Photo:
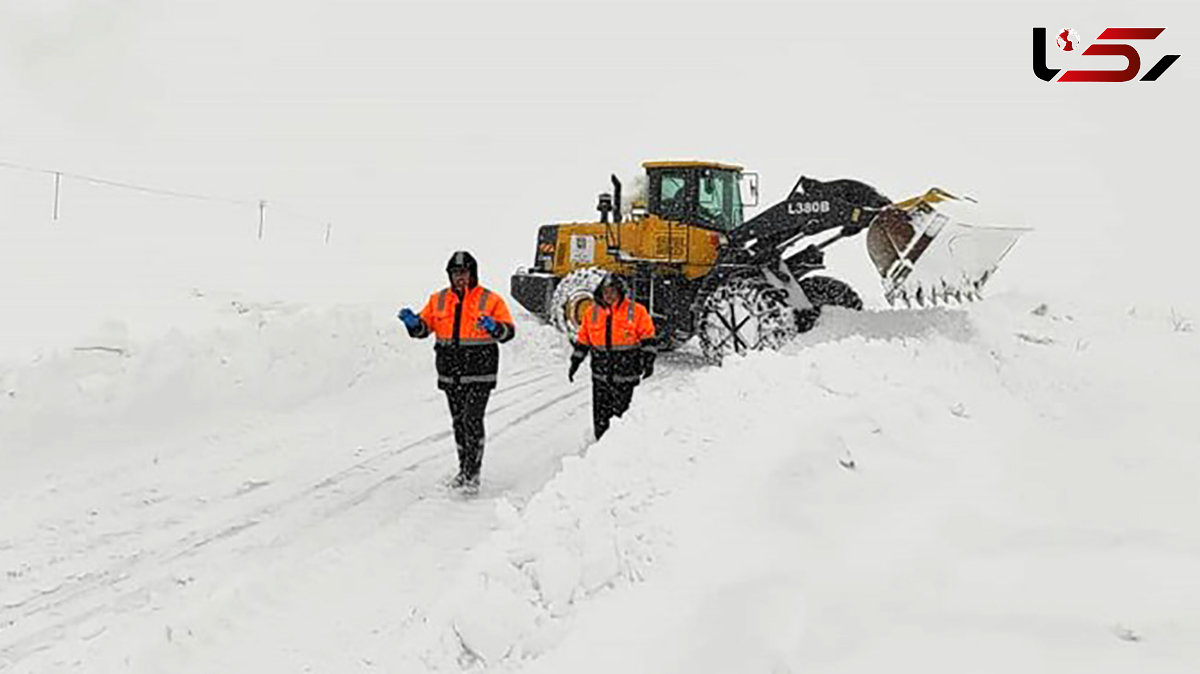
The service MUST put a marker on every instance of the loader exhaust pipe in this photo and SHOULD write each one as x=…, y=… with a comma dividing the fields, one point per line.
x=616, y=198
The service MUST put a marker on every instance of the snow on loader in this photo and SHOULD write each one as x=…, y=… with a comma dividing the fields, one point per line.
x=956, y=257
x=736, y=285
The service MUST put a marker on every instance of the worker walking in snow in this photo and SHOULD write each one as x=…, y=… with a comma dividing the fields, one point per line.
x=469, y=321
x=619, y=334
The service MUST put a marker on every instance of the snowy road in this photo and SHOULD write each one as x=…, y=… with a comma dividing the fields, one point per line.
x=977, y=490
x=190, y=523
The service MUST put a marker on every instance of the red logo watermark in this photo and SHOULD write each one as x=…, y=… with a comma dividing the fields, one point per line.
x=1068, y=40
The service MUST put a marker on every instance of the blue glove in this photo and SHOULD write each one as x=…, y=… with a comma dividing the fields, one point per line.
x=410, y=319
x=488, y=323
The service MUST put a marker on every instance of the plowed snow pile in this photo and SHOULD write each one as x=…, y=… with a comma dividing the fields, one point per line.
x=1011, y=489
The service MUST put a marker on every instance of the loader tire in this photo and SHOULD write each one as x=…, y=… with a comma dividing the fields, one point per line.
x=742, y=315
x=824, y=291
x=572, y=295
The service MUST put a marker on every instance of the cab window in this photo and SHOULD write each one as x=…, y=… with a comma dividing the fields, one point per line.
x=672, y=195
x=720, y=200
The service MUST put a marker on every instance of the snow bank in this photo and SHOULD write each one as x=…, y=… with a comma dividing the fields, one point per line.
x=962, y=492
x=259, y=358
x=119, y=384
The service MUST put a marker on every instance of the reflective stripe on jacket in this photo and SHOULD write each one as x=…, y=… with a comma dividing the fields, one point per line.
x=620, y=340
x=465, y=353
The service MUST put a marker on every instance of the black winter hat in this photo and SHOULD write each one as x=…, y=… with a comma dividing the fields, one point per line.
x=461, y=259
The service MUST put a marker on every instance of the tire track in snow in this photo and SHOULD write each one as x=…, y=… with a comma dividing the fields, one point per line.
x=75, y=600
x=525, y=416
x=243, y=427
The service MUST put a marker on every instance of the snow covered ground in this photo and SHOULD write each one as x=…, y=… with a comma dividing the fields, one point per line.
x=1007, y=487
x=220, y=453
x=211, y=479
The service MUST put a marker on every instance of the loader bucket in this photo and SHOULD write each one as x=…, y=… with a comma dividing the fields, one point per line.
x=928, y=249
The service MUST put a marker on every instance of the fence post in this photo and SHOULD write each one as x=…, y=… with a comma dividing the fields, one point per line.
x=262, y=216
x=57, y=186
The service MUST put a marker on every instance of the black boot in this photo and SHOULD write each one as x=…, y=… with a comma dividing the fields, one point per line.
x=472, y=467
x=464, y=464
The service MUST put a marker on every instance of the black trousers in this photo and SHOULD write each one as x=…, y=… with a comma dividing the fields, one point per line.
x=467, y=406
x=609, y=399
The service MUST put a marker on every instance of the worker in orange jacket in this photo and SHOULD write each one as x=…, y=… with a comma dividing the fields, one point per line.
x=618, y=333
x=469, y=321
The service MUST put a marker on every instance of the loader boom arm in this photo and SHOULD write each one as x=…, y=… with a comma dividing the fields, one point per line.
x=812, y=207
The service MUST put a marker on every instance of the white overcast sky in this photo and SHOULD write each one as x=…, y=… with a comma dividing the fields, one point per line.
x=420, y=127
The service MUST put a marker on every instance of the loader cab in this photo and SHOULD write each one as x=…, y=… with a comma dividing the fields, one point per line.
x=704, y=194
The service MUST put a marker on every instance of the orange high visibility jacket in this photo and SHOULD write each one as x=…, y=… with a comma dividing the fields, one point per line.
x=465, y=353
x=620, y=340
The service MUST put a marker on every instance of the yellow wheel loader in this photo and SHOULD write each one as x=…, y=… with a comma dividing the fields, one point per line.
x=740, y=285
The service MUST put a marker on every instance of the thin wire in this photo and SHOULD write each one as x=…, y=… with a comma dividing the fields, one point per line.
x=129, y=186
x=159, y=191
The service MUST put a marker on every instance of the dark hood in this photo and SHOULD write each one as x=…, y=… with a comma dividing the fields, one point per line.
x=613, y=280
x=462, y=258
